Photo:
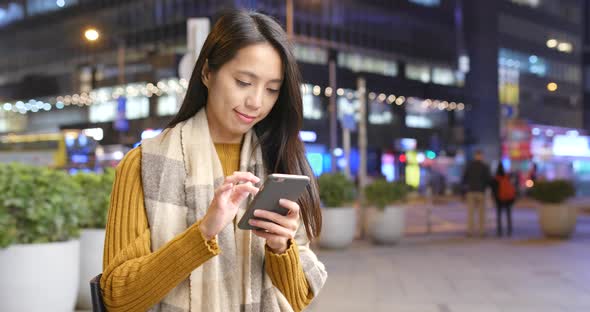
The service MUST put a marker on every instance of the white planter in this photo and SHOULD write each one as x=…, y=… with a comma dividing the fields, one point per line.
x=91, y=252
x=557, y=220
x=338, y=227
x=39, y=277
x=387, y=226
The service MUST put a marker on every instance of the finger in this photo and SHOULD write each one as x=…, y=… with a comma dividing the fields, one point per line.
x=242, y=191
x=240, y=176
x=272, y=228
x=265, y=235
x=291, y=205
x=274, y=217
x=246, y=189
x=223, y=188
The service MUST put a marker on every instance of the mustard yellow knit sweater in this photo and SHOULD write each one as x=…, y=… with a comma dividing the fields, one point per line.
x=135, y=278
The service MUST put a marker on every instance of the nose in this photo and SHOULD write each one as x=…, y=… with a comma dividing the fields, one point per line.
x=254, y=101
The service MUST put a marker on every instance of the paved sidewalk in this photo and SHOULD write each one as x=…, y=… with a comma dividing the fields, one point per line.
x=447, y=272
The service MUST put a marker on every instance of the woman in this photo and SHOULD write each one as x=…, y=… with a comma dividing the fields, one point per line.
x=172, y=243
x=504, y=195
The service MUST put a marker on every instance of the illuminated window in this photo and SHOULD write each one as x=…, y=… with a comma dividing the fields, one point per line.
x=380, y=113
x=419, y=115
x=137, y=107
x=362, y=63
x=418, y=72
x=103, y=112
x=168, y=105
x=312, y=55
x=10, y=12
x=530, y=3
x=532, y=64
x=312, y=104
x=35, y=7
x=443, y=76
x=428, y=3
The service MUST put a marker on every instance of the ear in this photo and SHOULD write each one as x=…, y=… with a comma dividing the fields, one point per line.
x=206, y=74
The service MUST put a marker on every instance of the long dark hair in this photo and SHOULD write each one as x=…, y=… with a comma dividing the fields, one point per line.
x=278, y=133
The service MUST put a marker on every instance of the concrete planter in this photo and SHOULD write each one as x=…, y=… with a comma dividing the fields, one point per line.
x=387, y=226
x=39, y=277
x=91, y=253
x=557, y=220
x=338, y=227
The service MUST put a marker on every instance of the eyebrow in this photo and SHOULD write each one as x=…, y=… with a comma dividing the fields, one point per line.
x=253, y=75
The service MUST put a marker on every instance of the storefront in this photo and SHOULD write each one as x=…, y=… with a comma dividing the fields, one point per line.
x=545, y=152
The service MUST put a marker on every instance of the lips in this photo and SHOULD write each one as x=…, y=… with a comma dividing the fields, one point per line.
x=244, y=117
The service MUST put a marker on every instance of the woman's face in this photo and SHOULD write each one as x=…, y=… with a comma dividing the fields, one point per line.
x=242, y=92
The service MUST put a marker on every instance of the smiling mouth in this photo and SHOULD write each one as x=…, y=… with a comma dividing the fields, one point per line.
x=247, y=116
x=244, y=117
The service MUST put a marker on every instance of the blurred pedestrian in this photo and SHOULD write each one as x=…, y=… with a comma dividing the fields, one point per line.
x=476, y=179
x=504, y=193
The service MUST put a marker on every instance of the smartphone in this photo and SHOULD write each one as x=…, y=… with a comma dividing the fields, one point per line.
x=276, y=186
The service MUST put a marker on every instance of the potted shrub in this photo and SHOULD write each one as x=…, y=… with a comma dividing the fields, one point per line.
x=556, y=217
x=337, y=194
x=387, y=220
x=98, y=188
x=39, y=255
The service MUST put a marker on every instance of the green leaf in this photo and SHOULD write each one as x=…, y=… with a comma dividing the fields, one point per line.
x=336, y=190
x=553, y=192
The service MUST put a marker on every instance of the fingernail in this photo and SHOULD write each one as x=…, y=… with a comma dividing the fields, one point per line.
x=256, y=212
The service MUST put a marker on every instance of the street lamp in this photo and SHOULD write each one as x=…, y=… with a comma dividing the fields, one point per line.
x=91, y=34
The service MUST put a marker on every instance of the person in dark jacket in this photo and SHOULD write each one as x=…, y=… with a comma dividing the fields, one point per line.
x=476, y=179
x=504, y=193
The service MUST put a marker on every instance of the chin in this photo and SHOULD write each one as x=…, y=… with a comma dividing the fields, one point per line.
x=241, y=130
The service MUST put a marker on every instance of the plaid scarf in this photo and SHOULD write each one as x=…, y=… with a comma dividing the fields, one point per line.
x=180, y=171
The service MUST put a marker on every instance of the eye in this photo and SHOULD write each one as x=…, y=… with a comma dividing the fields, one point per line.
x=274, y=91
x=242, y=83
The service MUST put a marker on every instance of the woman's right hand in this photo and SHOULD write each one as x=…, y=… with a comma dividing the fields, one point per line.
x=227, y=200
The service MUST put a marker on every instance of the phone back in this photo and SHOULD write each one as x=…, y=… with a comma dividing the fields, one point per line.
x=275, y=187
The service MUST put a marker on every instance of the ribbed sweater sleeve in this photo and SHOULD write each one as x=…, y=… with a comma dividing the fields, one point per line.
x=135, y=278
x=287, y=275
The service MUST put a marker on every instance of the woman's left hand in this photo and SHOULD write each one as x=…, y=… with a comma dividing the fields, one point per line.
x=278, y=230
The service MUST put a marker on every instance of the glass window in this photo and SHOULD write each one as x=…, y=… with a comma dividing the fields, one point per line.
x=541, y=67
x=137, y=107
x=539, y=33
x=422, y=113
x=508, y=86
x=35, y=7
x=531, y=3
x=312, y=104
x=10, y=12
x=379, y=113
x=168, y=105
x=570, y=10
x=428, y=3
x=12, y=122
x=418, y=72
x=312, y=55
x=103, y=112
x=362, y=63
x=348, y=108
x=443, y=76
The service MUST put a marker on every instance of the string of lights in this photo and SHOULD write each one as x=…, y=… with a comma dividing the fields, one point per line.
x=175, y=85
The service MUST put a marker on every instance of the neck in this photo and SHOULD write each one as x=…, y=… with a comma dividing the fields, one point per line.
x=220, y=135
